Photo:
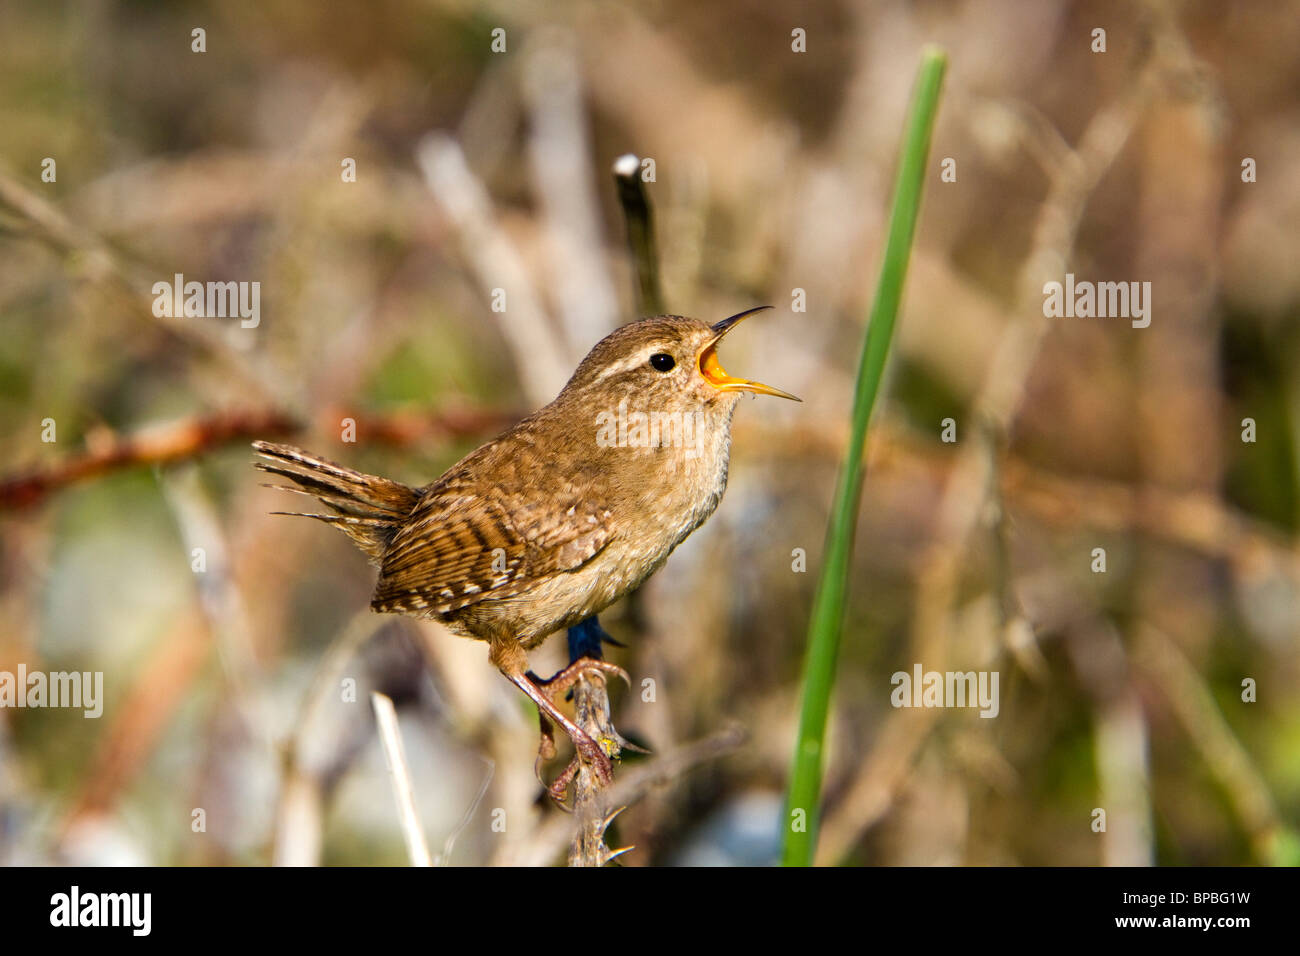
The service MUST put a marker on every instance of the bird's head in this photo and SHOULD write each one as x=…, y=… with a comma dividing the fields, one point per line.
x=667, y=363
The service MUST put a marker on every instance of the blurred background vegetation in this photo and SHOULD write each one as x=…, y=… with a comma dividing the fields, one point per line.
x=1120, y=690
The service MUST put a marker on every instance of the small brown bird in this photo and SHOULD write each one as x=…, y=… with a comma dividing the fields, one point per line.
x=550, y=523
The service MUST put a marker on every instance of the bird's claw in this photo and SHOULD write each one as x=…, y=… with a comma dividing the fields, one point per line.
x=590, y=752
x=593, y=756
x=546, y=746
x=565, y=679
x=559, y=789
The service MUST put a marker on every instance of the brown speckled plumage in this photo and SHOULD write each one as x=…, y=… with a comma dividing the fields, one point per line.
x=549, y=523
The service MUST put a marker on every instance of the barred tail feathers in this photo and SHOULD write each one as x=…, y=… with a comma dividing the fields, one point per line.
x=368, y=509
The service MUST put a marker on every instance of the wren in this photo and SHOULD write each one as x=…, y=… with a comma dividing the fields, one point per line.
x=548, y=524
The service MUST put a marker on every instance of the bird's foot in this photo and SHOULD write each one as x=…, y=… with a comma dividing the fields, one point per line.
x=559, y=789
x=591, y=752
x=552, y=687
x=611, y=743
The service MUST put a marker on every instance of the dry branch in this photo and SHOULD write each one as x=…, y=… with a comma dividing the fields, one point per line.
x=192, y=437
x=1190, y=699
x=390, y=736
x=640, y=233
x=591, y=707
x=633, y=785
x=161, y=445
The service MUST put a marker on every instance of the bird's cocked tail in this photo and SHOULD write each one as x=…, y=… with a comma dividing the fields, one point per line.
x=369, y=509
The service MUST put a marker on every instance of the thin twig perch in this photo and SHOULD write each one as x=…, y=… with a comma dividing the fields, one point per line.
x=631, y=787
x=590, y=693
x=591, y=706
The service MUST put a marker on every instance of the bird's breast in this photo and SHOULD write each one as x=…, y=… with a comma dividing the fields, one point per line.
x=670, y=491
x=655, y=495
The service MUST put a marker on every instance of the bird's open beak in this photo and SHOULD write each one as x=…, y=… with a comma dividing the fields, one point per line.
x=717, y=376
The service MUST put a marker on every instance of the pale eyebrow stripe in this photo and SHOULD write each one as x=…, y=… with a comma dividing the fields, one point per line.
x=630, y=363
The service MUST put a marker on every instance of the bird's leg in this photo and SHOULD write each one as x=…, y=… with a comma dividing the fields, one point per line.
x=588, y=750
x=585, y=640
x=509, y=658
x=546, y=747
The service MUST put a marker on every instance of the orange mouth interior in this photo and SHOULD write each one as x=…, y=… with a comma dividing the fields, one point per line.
x=717, y=376
x=712, y=369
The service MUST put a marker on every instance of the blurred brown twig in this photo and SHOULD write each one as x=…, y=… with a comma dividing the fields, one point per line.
x=160, y=445
x=194, y=437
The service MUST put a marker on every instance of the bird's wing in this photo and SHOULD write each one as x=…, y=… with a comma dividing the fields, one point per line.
x=460, y=547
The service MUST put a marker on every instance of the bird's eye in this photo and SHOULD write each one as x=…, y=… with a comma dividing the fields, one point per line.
x=662, y=362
